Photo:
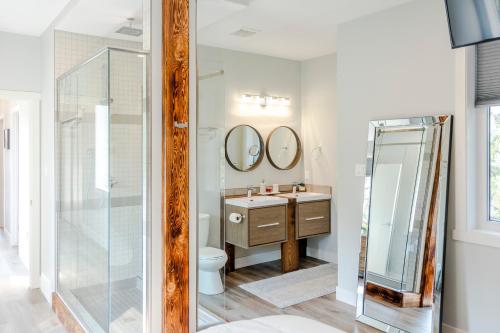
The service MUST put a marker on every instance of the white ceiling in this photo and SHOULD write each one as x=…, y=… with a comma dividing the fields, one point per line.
x=292, y=29
x=29, y=17
x=102, y=17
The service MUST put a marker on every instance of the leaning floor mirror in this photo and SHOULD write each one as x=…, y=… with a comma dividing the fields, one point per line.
x=404, y=224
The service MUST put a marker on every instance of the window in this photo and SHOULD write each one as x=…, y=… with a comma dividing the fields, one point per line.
x=494, y=163
x=487, y=134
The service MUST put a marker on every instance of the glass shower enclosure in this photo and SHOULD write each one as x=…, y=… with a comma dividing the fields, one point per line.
x=102, y=189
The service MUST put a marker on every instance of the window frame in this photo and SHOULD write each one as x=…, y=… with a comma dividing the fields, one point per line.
x=470, y=172
x=494, y=221
x=483, y=177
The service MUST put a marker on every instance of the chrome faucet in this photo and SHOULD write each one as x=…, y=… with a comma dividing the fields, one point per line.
x=295, y=185
x=250, y=189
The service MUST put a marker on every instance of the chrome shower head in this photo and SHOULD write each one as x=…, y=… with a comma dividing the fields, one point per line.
x=130, y=30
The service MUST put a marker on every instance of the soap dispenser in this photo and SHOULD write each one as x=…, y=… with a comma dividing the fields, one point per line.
x=262, y=188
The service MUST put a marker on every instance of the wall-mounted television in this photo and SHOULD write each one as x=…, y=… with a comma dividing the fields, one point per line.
x=473, y=21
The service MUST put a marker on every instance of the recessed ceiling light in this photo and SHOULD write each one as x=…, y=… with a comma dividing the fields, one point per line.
x=245, y=32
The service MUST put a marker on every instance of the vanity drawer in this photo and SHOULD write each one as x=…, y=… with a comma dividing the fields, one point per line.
x=313, y=218
x=267, y=225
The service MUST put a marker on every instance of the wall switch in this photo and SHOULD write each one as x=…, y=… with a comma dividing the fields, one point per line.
x=360, y=170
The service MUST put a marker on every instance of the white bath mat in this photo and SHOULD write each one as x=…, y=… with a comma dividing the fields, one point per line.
x=295, y=287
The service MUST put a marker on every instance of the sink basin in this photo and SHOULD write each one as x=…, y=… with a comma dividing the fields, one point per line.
x=256, y=201
x=306, y=196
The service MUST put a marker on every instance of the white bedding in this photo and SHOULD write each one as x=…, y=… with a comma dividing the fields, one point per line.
x=274, y=324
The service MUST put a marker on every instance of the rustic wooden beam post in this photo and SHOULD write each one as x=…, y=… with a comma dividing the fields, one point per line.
x=175, y=165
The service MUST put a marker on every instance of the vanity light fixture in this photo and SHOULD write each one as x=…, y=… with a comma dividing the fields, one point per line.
x=253, y=99
x=265, y=100
x=273, y=100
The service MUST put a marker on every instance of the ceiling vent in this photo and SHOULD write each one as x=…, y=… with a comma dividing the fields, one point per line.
x=245, y=32
x=240, y=2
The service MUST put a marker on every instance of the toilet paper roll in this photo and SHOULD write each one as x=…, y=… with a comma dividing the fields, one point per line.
x=235, y=217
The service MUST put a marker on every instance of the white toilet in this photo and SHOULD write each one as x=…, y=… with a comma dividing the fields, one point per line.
x=210, y=260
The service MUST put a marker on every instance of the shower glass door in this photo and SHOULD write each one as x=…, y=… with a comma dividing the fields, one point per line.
x=102, y=177
x=83, y=219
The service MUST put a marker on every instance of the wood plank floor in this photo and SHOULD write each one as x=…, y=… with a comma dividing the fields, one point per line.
x=237, y=304
x=21, y=310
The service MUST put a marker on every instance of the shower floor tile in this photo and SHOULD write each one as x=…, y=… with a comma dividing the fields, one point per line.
x=126, y=306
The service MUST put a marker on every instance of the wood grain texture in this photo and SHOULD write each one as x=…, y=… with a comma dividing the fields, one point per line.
x=312, y=218
x=267, y=225
x=429, y=263
x=175, y=166
x=237, y=233
x=69, y=322
x=237, y=304
x=290, y=254
x=231, y=258
x=391, y=296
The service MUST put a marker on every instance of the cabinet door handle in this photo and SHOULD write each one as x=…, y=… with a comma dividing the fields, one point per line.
x=268, y=225
x=315, y=218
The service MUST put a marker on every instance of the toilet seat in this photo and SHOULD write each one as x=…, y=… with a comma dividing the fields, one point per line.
x=211, y=253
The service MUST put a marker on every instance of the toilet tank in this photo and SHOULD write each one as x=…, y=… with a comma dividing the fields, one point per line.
x=203, y=229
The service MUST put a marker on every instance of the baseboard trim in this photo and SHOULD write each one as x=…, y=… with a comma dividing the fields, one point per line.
x=322, y=254
x=46, y=288
x=450, y=329
x=255, y=259
x=346, y=296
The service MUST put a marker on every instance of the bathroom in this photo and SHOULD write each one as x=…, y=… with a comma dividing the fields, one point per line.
x=270, y=104
x=266, y=191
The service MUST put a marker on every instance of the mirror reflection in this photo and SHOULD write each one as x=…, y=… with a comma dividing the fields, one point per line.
x=244, y=148
x=283, y=148
x=403, y=230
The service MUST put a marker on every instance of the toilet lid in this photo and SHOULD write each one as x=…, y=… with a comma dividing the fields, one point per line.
x=207, y=253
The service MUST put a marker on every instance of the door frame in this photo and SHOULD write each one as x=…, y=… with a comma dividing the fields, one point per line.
x=35, y=169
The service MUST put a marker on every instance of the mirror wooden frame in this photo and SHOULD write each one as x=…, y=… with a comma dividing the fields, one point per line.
x=261, y=152
x=298, y=153
x=438, y=210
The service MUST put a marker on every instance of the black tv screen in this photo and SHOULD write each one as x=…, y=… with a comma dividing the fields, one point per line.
x=473, y=21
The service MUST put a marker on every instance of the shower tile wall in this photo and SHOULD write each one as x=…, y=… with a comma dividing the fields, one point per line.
x=125, y=226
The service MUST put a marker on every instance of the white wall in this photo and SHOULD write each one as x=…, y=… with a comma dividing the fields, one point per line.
x=10, y=176
x=318, y=100
x=2, y=216
x=47, y=233
x=396, y=63
x=20, y=64
x=246, y=73
x=24, y=149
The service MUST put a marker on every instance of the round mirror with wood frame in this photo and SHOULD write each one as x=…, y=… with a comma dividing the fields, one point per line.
x=244, y=148
x=283, y=148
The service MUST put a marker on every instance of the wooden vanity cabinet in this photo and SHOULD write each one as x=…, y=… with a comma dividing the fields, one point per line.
x=259, y=226
x=312, y=218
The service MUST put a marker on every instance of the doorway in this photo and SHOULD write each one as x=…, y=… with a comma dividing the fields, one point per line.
x=20, y=179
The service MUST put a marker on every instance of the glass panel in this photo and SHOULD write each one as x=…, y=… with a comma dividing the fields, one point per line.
x=211, y=159
x=396, y=165
x=83, y=215
x=102, y=178
x=126, y=121
x=494, y=164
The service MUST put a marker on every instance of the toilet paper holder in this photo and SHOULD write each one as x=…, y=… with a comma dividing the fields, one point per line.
x=236, y=217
